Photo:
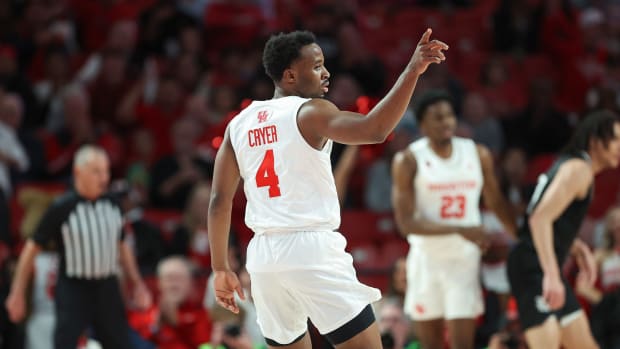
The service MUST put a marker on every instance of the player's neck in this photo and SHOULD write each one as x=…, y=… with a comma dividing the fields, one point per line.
x=279, y=92
x=596, y=162
x=442, y=149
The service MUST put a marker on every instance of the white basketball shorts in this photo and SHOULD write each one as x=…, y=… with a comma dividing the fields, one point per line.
x=301, y=275
x=443, y=279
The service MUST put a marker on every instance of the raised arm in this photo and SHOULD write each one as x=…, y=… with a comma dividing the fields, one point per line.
x=572, y=181
x=404, y=168
x=492, y=195
x=319, y=119
x=226, y=178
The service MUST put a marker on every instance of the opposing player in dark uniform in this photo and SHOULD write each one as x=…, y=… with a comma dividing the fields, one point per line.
x=549, y=311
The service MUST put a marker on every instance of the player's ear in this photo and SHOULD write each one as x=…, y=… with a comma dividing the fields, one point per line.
x=289, y=76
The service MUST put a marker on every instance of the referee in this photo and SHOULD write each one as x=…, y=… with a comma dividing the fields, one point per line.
x=87, y=226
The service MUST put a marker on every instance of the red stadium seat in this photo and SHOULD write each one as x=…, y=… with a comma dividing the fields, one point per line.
x=166, y=220
x=366, y=256
x=392, y=250
x=366, y=226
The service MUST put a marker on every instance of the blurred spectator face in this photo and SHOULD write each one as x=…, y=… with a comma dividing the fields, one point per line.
x=223, y=99
x=184, y=136
x=344, y=92
x=11, y=110
x=439, y=122
x=169, y=93
x=475, y=109
x=196, y=109
x=8, y=60
x=392, y=319
x=143, y=144
x=175, y=280
x=494, y=73
x=191, y=40
x=541, y=93
x=122, y=36
x=76, y=106
x=261, y=90
x=113, y=67
x=352, y=47
x=612, y=225
x=515, y=165
x=592, y=23
x=199, y=203
x=188, y=71
x=56, y=66
x=323, y=19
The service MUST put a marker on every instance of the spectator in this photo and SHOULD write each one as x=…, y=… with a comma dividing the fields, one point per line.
x=190, y=238
x=516, y=26
x=378, y=179
x=513, y=170
x=394, y=326
x=605, y=299
x=12, y=156
x=74, y=130
x=177, y=321
x=398, y=280
x=501, y=89
x=48, y=90
x=144, y=237
x=108, y=89
x=157, y=117
x=13, y=81
x=486, y=129
x=355, y=59
x=529, y=128
x=174, y=175
x=139, y=161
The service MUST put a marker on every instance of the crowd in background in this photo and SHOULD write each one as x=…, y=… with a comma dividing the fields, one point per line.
x=155, y=82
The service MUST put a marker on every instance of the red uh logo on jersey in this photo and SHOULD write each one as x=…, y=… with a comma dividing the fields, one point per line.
x=263, y=115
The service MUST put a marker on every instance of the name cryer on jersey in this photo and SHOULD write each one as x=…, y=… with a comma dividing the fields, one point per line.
x=263, y=135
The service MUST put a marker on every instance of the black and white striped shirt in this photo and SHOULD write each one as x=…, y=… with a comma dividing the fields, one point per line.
x=86, y=232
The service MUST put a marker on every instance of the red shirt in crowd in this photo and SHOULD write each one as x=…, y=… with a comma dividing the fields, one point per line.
x=193, y=327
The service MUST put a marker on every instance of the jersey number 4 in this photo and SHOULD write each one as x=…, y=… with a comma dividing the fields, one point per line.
x=266, y=175
x=453, y=206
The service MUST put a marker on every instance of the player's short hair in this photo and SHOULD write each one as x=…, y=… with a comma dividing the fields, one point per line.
x=429, y=98
x=596, y=125
x=282, y=49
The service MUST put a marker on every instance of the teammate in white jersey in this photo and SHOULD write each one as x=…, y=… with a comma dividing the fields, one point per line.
x=438, y=181
x=280, y=147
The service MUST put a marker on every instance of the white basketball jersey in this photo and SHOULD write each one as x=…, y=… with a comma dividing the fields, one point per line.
x=447, y=190
x=288, y=184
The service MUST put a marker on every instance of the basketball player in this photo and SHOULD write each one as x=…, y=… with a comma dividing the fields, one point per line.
x=549, y=312
x=438, y=181
x=280, y=147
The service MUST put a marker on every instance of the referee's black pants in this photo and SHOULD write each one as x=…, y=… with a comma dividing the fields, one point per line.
x=83, y=303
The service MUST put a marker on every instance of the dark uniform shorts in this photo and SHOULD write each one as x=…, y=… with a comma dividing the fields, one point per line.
x=526, y=276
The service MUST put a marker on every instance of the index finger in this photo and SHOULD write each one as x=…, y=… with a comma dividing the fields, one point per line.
x=426, y=36
x=440, y=43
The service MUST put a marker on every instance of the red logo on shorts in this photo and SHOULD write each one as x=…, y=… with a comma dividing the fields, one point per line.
x=419, y=308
